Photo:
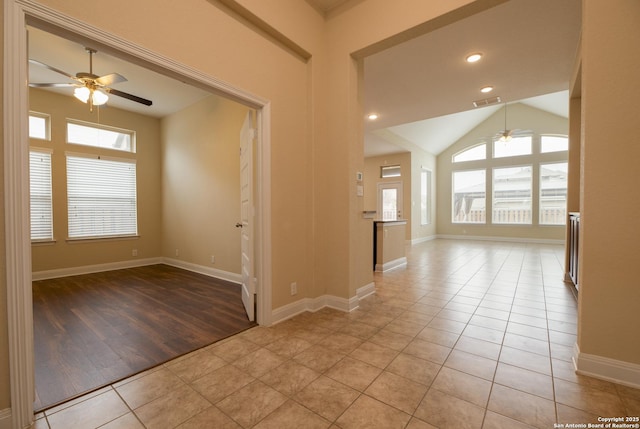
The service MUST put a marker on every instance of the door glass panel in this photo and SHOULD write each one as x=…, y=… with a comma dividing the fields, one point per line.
x=389, y=204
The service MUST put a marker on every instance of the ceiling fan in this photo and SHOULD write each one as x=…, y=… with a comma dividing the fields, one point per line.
x=90, y=88
x=506, y=135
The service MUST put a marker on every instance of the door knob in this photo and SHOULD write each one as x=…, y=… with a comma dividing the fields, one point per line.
x=239, y=225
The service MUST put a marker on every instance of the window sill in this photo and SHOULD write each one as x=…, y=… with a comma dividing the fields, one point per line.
x=101, y=239
x=43, y=242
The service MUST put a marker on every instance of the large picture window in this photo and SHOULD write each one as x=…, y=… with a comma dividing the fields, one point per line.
x=100, y=136
x=469, y=196
x=425, y=197
x=101, y=197
x=553, y=193
x=512, y=195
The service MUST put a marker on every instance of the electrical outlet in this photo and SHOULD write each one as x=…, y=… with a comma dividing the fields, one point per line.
x=177, y=252
x=213, y=259
x=294, y=288
x=134, y=252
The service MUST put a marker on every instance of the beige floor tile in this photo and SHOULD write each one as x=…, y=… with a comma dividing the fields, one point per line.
x=373, y=319
x=438, y=336
x=128, y=421
x=367, y=413
x=446, y=411
x=252, y=403
x=196, y=365
x=484, y=334
x=41, y=423
x=523, y=407
x=477, y=347
x=562, y=338
x=288, y=346
x=222, y=382
x=397, y=391
x=488, y=322
x=566, y=371
x=319, y=358
x=527, y=381
x=498, y=421
x=588, y=398
x=359, y=330
x=429, y=351
x=526, y=343
x=472, y=364
x=425, y=309
x=526, y=360
x=447, y=325
x=415, y=317
x=457, y=316
x=464, y=386
x=212, y=417
x=340, y=343
x=405, y=327
x=374, y=354
x=569, y=414
x=312, y=334
x=353, y=373
x=414, y=368
x=87, y=396
x=259, y=362
x=415, y=423
x=91, y=413
x=391, y=339
x=172, y=409
x=292, y=415
x=327, y=397
x=290, y=377
x=261, y=335
x=147, y=388
x=234, y=349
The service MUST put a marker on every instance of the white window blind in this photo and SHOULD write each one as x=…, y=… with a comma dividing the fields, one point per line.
x=101, y=197
x=41, y=200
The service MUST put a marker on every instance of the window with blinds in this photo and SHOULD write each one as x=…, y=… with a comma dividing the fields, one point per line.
x=101, y=197
x=41, y=196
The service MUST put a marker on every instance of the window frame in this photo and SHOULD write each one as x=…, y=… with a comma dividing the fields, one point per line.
x=453, y=200
x=47, y=121
x=100, y=127
x=426, y=177
x=493, y=194
x=540, y=197
x=467, y=149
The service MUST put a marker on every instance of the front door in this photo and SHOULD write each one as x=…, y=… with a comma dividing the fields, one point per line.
x=390, y=200
x=247, y=136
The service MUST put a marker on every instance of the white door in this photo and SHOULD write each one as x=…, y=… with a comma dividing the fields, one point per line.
x=390, y=200
x=247, y=135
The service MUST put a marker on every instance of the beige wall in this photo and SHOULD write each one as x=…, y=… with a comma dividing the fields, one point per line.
x=201, y=183
x=64, y=254
x=5, y=396
x=520, y=117
x=609, y=292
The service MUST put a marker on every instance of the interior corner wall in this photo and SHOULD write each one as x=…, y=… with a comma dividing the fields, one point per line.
x=520, y=117
x=609, y=292
x=5, y=393
x=65, y=254
x=201, y=184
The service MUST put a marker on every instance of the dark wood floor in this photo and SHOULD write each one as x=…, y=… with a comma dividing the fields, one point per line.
x=92, y=330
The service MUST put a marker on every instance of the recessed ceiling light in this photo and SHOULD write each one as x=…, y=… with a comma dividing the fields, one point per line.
x=472, y=58
x=372, y=116
x=486, y=89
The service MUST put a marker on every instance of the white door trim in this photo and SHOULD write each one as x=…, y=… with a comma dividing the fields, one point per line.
x=17, y=13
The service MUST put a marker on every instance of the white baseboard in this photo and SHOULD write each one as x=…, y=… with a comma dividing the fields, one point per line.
x=615, y=371
x=391, y=264
x=314, y=304
x=201, y=269
x=89, y=269
x=505, y=239
x=5, y=418
x=415, y=241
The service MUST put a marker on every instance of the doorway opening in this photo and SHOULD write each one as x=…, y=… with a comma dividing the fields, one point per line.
x=18, y=243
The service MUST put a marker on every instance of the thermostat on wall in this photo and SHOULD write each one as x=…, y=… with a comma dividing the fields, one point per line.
x=359, y=176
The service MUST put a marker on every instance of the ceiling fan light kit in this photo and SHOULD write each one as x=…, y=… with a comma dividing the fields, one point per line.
x=89, y=88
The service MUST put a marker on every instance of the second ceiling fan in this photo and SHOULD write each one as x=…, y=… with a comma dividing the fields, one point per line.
x=90, y=88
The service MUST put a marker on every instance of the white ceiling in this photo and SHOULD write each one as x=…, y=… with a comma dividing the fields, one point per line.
x=421, y=89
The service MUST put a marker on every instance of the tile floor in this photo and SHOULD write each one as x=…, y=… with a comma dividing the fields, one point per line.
x=468, y=335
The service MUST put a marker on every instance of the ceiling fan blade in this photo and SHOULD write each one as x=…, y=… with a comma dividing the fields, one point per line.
x=110, y=79
x=51, y=85
x=129, y=96
x=47, y=66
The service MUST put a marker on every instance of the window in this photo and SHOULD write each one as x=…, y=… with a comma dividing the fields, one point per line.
x=512, y=195
x=101, y=197
x=469, y=196
x=39, y=126
x=390, y=171
x=516, y=147
x=553, y=193
x=100, y=136
x=41, y=197
x=472, y=154
x=425, y=193
x=553, y=144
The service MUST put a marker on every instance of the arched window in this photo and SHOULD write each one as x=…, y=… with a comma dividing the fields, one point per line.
x=472, y=153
